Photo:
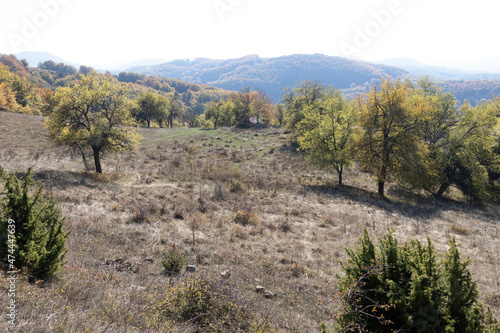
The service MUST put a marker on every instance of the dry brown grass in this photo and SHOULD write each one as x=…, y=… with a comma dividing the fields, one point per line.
x=146, y=201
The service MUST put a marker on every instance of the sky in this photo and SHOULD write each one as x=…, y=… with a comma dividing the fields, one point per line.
x=440, y=32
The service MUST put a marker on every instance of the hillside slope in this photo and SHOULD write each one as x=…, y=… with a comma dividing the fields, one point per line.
x=148, y=201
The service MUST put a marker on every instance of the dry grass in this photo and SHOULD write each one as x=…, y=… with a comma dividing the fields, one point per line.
x=149, y=200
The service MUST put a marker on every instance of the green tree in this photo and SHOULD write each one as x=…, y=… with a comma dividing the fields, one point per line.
x=469, y=147
x=93, y=116
x=460, y=295
x=175, y=109
x=279, y=114
x=391, y=123
x=148, y=107
x=214, y=112
x=405, y=288
x=460, y=145
x=307, y=95
x=163, y=105
x=38, y=239
x=326, y=132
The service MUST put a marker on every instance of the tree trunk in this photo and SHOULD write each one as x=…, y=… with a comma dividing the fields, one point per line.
x=340, y=175
x=381, y=184
x=442, y=189
x=381, y=181
x=97, y=160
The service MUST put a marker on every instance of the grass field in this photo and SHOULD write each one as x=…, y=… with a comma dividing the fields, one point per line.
x=123, y=222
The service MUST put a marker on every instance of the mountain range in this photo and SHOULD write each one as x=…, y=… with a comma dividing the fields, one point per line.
x=274, y=75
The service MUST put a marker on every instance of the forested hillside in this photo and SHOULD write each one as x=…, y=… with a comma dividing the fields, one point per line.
x=273, y=74
x=27, y=89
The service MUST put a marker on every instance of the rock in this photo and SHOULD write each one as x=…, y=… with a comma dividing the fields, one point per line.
x=259, y=289
x=149, y=259
x=268, y=294
x=190, y=268
x=133, y=287
x=226, y=274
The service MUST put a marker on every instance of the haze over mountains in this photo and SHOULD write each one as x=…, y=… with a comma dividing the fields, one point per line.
x=439, y=72
x=274, y=75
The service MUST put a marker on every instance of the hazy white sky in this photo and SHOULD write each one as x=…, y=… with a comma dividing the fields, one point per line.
x=108, y=31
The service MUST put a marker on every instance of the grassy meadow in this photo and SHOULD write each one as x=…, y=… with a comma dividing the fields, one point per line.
x=185, y=186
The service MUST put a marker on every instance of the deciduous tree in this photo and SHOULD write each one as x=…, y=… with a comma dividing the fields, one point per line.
x=93, y=116
x=326, y=132
x=148, y=107
x=391, y=124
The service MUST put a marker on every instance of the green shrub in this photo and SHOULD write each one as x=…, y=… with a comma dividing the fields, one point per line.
x=404, y=287
x=39, y=247
x=173, y=261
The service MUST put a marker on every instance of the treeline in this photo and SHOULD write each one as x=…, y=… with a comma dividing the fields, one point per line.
x=412, y=133
x=30, y=90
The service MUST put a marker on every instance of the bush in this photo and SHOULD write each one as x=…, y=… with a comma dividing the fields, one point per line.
x=246, y=217
x=39, y=246
x=211, y=306
x=236, y=185
x=173, y=261
x=406, y=288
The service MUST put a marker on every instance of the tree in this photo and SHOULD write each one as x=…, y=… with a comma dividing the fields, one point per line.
x=261, y=108
x=175, y=109
x=7, y=98
x=36, y=224
x=469, y=144
x=279, y=114
x=242, y=100
x=326, y=132
x=406, y=288
x=460, y=294
x=148, y=107
x=304, y=96
x=390, y=121
x=85, y=69
x=164, y=107
x=92, y=116
x=214, y=112
x=460, y=145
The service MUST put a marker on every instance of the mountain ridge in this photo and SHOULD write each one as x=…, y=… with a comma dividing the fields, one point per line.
x=272, y=75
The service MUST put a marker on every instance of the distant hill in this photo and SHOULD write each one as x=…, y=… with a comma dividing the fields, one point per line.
x=121, y=66
x=272, y=75
x=474, y=91
x=34, y=58
x=438, y=72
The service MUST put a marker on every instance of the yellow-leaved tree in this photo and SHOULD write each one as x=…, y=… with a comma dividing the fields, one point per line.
x=391, y=119
x=93, y=117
